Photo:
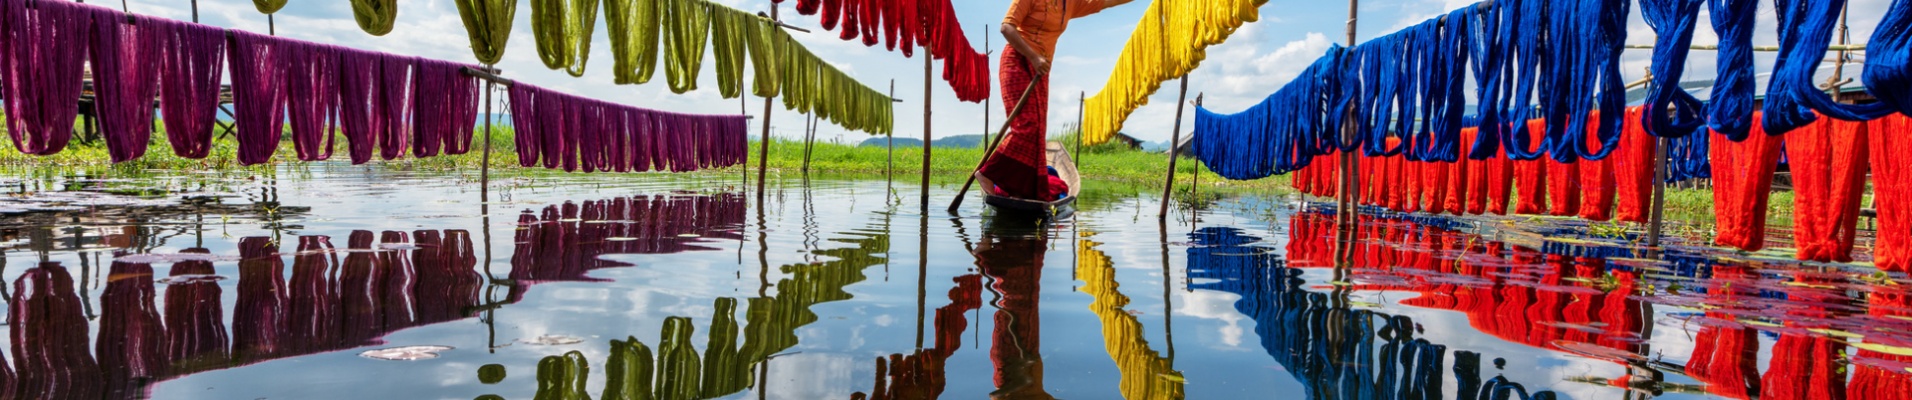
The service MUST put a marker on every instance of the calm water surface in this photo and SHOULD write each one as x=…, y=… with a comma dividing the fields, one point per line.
x=648, y=286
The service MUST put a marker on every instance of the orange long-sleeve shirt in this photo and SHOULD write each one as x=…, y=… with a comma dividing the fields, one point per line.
x=1041, y=22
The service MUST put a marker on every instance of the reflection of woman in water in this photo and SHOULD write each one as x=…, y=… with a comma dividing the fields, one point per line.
x=1016, y=265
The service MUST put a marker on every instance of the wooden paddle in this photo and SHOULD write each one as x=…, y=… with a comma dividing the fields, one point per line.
x=990, y=149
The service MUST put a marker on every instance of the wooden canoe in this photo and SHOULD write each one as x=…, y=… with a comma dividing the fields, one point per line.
x=1065, y=168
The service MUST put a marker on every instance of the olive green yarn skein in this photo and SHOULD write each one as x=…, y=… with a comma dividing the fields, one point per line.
x=488, y=24
x=375, y=16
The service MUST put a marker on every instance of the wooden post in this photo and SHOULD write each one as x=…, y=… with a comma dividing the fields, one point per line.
x=1174, y=141
x=928, y=74
x=1082, y=105
x=763, y=156
x=1195, y=185
x=986, y=53
x=1345, y=211
x=484, y=168
x=1656, y=220
x=195, y=11
x=809, y=140
x=272, y=28
x=889, y=171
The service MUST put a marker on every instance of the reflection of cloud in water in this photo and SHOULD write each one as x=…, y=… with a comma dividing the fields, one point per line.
x=1218, y=306
x=807, y=376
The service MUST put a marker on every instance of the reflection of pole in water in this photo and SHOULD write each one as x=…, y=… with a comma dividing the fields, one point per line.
x=922, y=274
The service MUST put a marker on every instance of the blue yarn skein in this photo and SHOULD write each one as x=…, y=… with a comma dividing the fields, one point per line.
x=1489, y=58
x=1730, y=108
x=1673, y=21
x=1805, y=32
x=1888, y=74
x=1524, y=35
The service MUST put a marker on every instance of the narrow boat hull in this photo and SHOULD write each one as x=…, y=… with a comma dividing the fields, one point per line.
x=1065, y=168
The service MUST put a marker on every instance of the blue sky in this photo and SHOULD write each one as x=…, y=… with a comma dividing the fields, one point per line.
x=1258, y=59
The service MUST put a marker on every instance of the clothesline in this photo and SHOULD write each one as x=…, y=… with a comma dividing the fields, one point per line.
x=492, y=76
x=1763, y=49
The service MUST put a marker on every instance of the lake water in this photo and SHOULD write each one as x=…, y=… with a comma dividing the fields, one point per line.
x=333, y=282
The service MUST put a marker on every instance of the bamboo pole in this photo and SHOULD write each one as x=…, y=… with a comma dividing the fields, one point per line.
x=987, y=51
x=484, y=168
x=1345, y=212
x=1656, y=220
x=928, y=84
x=1174, y=146
x=1082, y=105
x=889, y=170
x=1762, y=49
x=763, y=156
x=1194, y=185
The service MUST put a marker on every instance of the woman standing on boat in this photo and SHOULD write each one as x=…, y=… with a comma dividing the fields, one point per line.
x=1032, y=29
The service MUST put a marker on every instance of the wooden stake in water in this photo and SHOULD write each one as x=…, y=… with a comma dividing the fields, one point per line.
x=928, y=73
x=1174, y=148
x=1345, y=211
x=889, y=170
x=484, y=166
x=763, y=156
x=1195, y=185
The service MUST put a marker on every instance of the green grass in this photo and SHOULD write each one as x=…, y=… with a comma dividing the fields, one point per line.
x=1112, y=171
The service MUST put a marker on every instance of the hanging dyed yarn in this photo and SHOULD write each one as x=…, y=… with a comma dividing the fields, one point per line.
x=1828, y=165
x=686, y=30
x=810, y=85
x=398, y=100
x=258, y=95
x=1673, y=22
x=729, y=37
x=488, y=23
x=1170, y=41
x=1278, y=135
x=446, y=105
x=125, y=81
x=43, y=45
x=362, y=112
x=1633, y=168
x=1805, y=31
x=268, y=6
x=562, y=131
x=1586, y=39
x=1889, y=138
x=1533, y=175
x=965, y=69
x=635, y=29
x=189, y=74
x=1742, y=188
x=563, y=29
x=683, y=29
x=312, y=97
x=1730, y=109
x=1687, y=158
x=375, y=16
x=1888, y=72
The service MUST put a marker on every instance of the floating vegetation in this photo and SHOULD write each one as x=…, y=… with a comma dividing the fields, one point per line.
x=190, y=279
x=172, y=258
x=552, y=340
x=407, y=353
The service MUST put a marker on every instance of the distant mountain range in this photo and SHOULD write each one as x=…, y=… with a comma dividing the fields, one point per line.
x=960, y=141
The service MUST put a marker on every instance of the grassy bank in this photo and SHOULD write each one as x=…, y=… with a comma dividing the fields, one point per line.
x=1111, y=169
x=1106, y=163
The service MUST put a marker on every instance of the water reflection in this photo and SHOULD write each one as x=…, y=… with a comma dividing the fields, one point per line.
x=384, y=282
x=1827, y=333
x=678, y=370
